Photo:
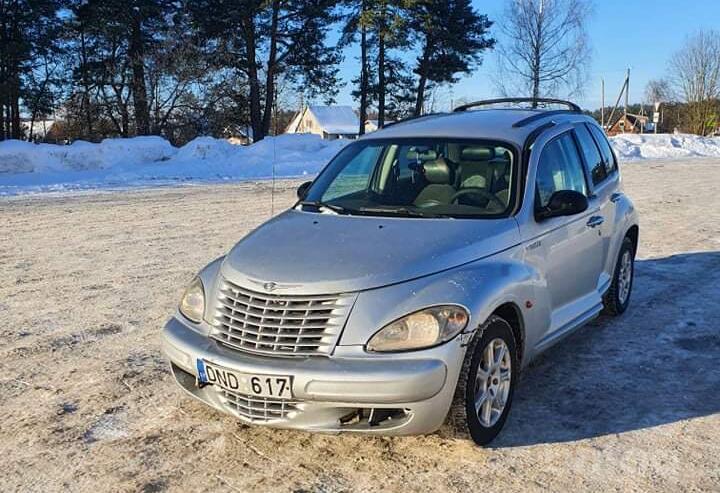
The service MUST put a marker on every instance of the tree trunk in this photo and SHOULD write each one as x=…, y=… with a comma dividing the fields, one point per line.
x=271, y=66
x=3, y=70
x=363, y=77
x=537, y=59
x=381, y=80
x=124, y=121
x=13, y=75
x=136, y=53
x=85, y=101
x=422, y=82
x=256, y=120
x=15, y=125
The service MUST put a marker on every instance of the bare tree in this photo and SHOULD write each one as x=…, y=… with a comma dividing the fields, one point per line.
x=546, y=49
x=695, y=73
x=658, y=91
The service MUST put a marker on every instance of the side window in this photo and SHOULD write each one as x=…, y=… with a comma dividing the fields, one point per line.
x=610, y=164
x=559, y=168
x=592, y=155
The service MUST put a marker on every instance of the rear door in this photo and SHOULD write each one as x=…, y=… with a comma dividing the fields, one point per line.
x=605, y=187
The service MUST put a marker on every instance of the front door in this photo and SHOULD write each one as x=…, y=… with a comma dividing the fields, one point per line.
x=566, y=250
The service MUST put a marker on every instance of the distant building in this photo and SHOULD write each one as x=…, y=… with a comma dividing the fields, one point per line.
x=329, y=122
x=238, y=134
x=630, y=124
x=38, y=129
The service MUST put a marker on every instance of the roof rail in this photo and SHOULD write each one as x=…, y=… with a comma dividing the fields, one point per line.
x=539, y=116
x=535, y=102
x=410, y=118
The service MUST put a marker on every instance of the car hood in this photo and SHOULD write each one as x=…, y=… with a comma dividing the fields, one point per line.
x=313, y=253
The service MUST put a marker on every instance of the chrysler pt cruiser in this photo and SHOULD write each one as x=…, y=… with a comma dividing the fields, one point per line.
x=425, y=266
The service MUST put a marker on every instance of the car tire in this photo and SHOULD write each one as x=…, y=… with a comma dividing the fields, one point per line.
x=617, y=298
x=477, y=379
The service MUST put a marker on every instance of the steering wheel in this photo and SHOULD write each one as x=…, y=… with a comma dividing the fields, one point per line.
x=477, y=191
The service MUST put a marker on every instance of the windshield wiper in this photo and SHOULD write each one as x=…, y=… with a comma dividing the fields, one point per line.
x=337, y=209
x=398, y=211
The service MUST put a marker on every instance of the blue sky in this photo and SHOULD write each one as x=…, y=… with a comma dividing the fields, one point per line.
x=640, y=34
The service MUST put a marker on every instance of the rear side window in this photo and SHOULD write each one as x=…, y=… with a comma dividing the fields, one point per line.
x=595, y=162
x=605, y=150
x=559, y=168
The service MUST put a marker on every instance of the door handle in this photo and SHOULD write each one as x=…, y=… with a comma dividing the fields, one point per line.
x=595, y=221
x=615, y=197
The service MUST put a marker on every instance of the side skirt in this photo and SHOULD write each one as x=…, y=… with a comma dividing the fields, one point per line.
x=567, y=329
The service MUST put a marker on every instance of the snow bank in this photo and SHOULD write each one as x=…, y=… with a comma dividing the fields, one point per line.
x=630, y=147
x=142, y=161
x=24, y=157
x=26, y=167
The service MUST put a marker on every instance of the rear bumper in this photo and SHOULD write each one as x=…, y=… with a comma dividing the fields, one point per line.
x=415, y=388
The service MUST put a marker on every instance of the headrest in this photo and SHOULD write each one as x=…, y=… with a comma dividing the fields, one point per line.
x=437, y=172
x=477, y=154
x=422, y=155
x=501, y=162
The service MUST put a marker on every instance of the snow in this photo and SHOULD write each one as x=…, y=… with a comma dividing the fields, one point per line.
x=632, y=147
x=144, y=161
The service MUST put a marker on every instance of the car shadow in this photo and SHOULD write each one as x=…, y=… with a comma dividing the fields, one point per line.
x=659, y=363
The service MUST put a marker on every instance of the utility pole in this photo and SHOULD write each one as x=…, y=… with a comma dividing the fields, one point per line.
x=602, y=103
x=627, y=91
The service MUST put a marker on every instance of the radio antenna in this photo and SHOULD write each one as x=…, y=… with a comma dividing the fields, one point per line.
x=272, y=189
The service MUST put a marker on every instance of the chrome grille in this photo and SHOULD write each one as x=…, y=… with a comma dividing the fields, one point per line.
x=262, y=409
x=283, y=325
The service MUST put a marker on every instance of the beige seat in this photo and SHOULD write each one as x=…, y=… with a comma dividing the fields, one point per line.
x=439, y=191
x=500, y=176
x=474, y=167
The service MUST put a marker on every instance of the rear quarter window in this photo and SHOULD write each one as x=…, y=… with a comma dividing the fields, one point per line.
x=605, y=150
x=594, y=160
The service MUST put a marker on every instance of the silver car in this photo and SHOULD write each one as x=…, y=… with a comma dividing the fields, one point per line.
x=416, y=276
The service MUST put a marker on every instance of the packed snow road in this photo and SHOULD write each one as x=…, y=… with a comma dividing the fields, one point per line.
x=88, y=404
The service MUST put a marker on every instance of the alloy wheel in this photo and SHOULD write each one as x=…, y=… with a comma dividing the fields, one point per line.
x=625, y=277
x=492, y=382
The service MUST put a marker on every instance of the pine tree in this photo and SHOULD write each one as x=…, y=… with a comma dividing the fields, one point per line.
x=378, y=26
x=130, y=27
x=451, y=37
x=266, y=40
x=28, y=35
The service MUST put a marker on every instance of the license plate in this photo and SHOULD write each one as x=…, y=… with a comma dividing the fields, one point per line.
x=244, y=383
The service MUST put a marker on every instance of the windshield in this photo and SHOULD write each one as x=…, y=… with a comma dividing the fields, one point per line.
x=417, y=178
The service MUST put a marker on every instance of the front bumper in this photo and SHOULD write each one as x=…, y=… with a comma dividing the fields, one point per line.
x=349, y=391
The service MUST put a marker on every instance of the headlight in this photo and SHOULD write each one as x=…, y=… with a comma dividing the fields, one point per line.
x=422, y=329
x=192, y=304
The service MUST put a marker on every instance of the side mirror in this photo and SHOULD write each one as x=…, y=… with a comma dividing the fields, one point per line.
x=303, y=190
x=563, y=203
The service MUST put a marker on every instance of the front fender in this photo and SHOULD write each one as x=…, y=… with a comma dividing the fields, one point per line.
x=209, y=277
x=480, y=286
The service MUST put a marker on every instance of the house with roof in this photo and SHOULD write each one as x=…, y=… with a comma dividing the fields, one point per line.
x=238, y=134
x=629, y=124
x=329, y=122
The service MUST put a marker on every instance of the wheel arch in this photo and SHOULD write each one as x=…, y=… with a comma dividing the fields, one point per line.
x=634, y=234
x=511, y=313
